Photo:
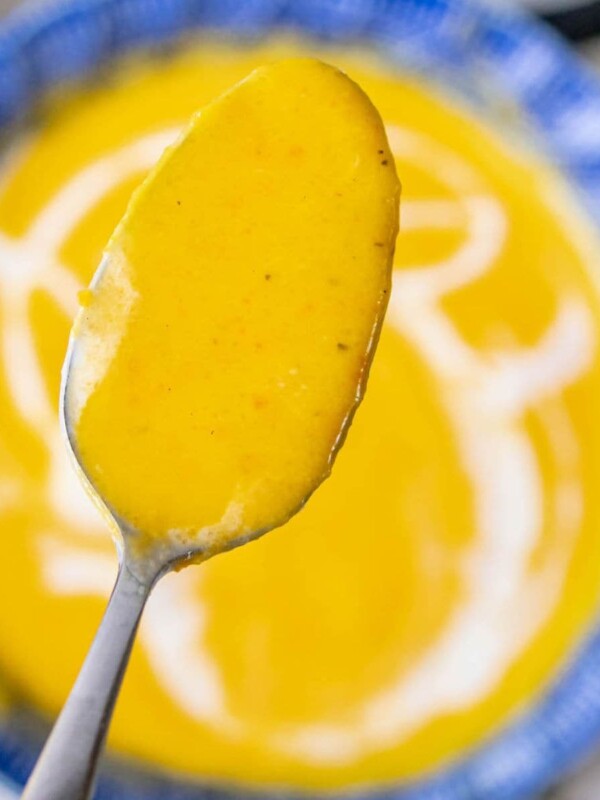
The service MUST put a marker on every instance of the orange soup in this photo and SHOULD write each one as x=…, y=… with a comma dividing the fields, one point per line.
x=440, y=577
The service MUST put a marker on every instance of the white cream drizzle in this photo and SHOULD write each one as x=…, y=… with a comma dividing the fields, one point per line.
x=174, y=624
x=485, y=404
x=485, y=399
x=32, y=262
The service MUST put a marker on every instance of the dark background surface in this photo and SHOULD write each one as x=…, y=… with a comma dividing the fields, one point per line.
x=578, y=22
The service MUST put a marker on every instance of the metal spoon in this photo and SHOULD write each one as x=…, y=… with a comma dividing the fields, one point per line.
x=66, y=768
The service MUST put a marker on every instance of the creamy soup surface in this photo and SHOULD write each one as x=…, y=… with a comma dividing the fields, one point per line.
x=225, y=341
x=440, y=577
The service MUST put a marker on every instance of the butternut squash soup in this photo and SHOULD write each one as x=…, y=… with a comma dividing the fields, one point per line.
x=438, y=580
x=226, y=340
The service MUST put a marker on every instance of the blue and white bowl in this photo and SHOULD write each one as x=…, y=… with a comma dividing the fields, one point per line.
x=46, y=43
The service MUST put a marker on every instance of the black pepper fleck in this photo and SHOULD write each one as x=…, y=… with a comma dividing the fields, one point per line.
x=342, y=346
x=384, y=162
x=379, y=244
x=268, y=276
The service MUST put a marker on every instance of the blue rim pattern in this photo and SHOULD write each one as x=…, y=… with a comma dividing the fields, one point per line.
x=68, y=39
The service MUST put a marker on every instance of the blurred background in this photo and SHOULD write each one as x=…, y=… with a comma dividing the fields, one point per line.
x=578, y=22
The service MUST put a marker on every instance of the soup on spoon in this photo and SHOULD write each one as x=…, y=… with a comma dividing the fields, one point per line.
x=223, y=347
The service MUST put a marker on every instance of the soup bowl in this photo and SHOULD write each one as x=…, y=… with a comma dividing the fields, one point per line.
x=473, y=49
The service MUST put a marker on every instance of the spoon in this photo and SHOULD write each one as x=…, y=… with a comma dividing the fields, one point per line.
x=313, y=165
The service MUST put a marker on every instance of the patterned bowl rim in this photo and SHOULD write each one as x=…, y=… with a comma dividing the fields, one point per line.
x=44, y=43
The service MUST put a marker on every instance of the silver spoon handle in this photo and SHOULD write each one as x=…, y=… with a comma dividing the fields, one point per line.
x=66, y=768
